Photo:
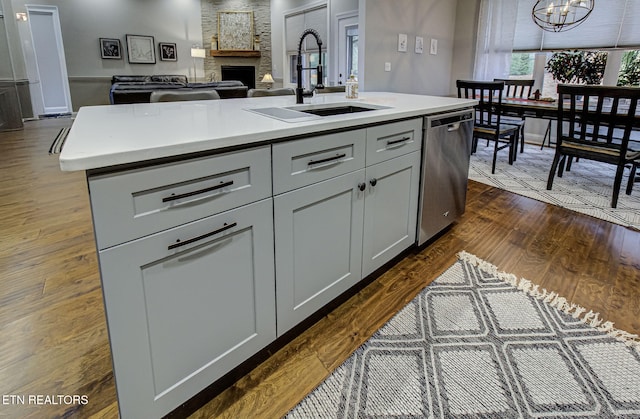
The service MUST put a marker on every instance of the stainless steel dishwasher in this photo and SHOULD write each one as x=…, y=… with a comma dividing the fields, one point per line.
x=445, y=171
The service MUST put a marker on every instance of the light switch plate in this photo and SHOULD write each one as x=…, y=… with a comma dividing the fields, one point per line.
x=387, y=66
x=434, y=47
x=402, y=42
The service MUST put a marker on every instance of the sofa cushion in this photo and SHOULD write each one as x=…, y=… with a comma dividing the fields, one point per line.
x=170, y=78
x=130, y=79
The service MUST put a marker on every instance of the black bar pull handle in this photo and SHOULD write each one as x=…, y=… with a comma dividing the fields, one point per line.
x=179, y=243
x=187, y=194
x=401, y=140
x=336, y=157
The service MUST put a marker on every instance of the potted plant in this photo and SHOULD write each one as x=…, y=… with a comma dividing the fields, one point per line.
x=577, y=67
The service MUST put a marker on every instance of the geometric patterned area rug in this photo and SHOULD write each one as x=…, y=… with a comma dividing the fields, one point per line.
x=587, y=188
x=478, y=343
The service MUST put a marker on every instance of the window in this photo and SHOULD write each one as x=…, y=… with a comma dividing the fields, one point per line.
x=352, y=51
x=608, y=28
x=629, y=74
x=522, y=65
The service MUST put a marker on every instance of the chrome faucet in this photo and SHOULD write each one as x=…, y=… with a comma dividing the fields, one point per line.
x=300, y=92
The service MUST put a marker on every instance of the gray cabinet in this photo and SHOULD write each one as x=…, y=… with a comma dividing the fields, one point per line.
x=187, y=266
x=343, y=221
x=390, y=211
x=204, y=263
x=318, y=242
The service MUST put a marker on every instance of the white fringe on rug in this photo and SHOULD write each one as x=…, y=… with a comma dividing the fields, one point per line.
x=554, y=300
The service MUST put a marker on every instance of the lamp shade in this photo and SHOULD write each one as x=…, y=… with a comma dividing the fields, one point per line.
x=198, y=52
x=267, y=78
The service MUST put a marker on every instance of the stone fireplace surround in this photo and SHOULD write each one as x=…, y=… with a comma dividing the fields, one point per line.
x=261, y=27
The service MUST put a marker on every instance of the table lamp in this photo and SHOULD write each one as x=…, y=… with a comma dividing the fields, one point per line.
x=268, y=79
x=197, y=52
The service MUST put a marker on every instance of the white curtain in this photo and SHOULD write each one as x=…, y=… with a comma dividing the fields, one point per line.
x=496, y=31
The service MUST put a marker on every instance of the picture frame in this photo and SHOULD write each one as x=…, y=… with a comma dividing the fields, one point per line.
x=167, y=51
x=235, y=31
x=141, y=49
x=110, y=49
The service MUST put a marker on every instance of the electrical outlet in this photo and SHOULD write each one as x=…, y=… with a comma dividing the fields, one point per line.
x=387, y=66
x=434, y=47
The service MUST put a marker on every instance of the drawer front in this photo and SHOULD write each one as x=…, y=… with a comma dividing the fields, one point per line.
x=136, y=203
x=303, y=162
x=385, y=142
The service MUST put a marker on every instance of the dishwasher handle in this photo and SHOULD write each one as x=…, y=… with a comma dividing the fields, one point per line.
x=455, y=119
x=453, y=127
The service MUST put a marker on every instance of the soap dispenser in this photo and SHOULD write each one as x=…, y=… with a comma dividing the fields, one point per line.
x=351, y=87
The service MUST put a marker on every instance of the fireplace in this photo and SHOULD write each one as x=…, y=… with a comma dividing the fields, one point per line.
x=245, y=73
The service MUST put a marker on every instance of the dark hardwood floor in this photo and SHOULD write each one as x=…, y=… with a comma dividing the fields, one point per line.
x=53, y=337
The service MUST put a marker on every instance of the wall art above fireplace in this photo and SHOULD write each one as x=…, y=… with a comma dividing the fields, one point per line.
x=235, y=31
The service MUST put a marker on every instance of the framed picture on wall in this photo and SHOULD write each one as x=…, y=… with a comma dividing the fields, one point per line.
x=141, y=49
x=110, y=49
x=168, y=51
x=235, y=30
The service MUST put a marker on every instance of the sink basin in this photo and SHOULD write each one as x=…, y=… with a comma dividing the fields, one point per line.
x=336, y=108
x=301, y=113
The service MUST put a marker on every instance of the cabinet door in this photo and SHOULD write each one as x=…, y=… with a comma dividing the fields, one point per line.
x=187, y=305
x=318, y=236
x=391, y=210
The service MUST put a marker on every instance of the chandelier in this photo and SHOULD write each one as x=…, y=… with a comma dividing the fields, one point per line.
x=561, y=15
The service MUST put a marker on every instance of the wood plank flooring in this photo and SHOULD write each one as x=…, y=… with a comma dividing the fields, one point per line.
x=53, y=337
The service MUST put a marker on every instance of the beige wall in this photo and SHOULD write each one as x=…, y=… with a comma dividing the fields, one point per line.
x=380, y=23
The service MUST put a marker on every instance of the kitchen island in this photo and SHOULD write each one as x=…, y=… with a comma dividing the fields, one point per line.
x=222, y=225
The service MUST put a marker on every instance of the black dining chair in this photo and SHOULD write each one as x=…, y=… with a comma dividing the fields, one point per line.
x=595, y=123
x=518, y=89
x=488, y=117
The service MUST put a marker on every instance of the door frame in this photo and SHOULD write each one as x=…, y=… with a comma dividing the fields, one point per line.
x=342, y=21
x=33, y=68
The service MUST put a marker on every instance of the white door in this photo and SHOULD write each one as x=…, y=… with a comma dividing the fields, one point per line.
x=347, y=48
x=46, y=65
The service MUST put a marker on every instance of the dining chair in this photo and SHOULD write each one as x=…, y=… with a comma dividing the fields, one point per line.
x=285, y=91
x=182, y=95
x=595, y=123
x=488, y=117
x=518, y=89
x=633, y=176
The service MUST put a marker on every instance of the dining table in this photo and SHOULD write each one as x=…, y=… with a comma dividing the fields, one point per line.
x=546, y=108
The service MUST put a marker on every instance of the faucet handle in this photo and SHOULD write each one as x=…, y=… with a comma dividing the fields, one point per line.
x=320, y=85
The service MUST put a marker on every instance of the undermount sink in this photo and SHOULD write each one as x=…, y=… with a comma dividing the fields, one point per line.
x=336, y=109
x=300, y=113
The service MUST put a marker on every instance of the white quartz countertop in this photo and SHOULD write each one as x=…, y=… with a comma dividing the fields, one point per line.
x=103, y=136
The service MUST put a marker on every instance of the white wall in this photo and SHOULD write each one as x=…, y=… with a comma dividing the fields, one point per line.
x=464, y=42
x=380, y=23
x=84, y=21
x=12, y=42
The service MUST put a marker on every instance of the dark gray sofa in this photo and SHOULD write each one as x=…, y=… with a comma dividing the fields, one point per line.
x=137, y=89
